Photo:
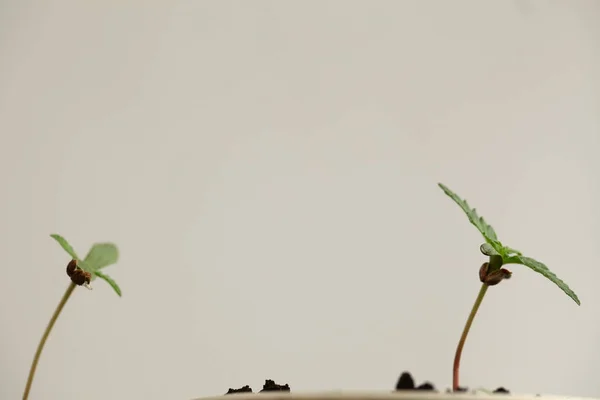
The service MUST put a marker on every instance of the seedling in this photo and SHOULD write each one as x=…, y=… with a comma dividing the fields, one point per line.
x=492, y=272
x=82, y=273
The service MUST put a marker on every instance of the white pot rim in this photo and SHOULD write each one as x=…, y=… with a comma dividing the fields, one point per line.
x=396, y=395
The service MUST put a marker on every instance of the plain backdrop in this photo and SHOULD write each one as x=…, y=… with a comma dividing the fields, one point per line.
x=269, y=171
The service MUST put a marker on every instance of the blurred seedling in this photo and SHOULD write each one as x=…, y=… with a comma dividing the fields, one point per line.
x=82, y=273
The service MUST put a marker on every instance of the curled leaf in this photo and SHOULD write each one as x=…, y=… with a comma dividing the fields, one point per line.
x=488, y=250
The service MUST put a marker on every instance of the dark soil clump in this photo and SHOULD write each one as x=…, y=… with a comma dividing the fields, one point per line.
x=271, y=386
x=243, y=389
x=426, y=386
x=406, y=382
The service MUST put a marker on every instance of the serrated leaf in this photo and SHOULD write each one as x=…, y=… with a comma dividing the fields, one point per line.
x=479, y=222
x=65, y=245
x=110, y=281
x=541, y=268
x=101, y=255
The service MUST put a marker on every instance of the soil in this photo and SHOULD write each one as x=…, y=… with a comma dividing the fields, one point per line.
x=405, y=382
x=243, y=389
x=269, y=386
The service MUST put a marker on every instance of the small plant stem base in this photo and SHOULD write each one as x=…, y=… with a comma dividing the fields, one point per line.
x=40, y=347
x=463, y=337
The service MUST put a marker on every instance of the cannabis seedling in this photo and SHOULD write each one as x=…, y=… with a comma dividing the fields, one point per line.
x=81, y=272
x=491, y=273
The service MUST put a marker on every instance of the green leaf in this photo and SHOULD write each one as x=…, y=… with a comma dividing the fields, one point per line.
x=486, y=230
x=496, y=262
x=541, y=268
x=508, y=251
x=102, y=255
x=110, y=281
x=506, y=255
x=488, y=250
x=65, y=245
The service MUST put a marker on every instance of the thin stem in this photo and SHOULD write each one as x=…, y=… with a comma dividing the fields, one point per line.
x=463, y=338
x=40, y=347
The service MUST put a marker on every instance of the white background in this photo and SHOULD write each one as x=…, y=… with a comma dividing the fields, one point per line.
x=269, y=169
